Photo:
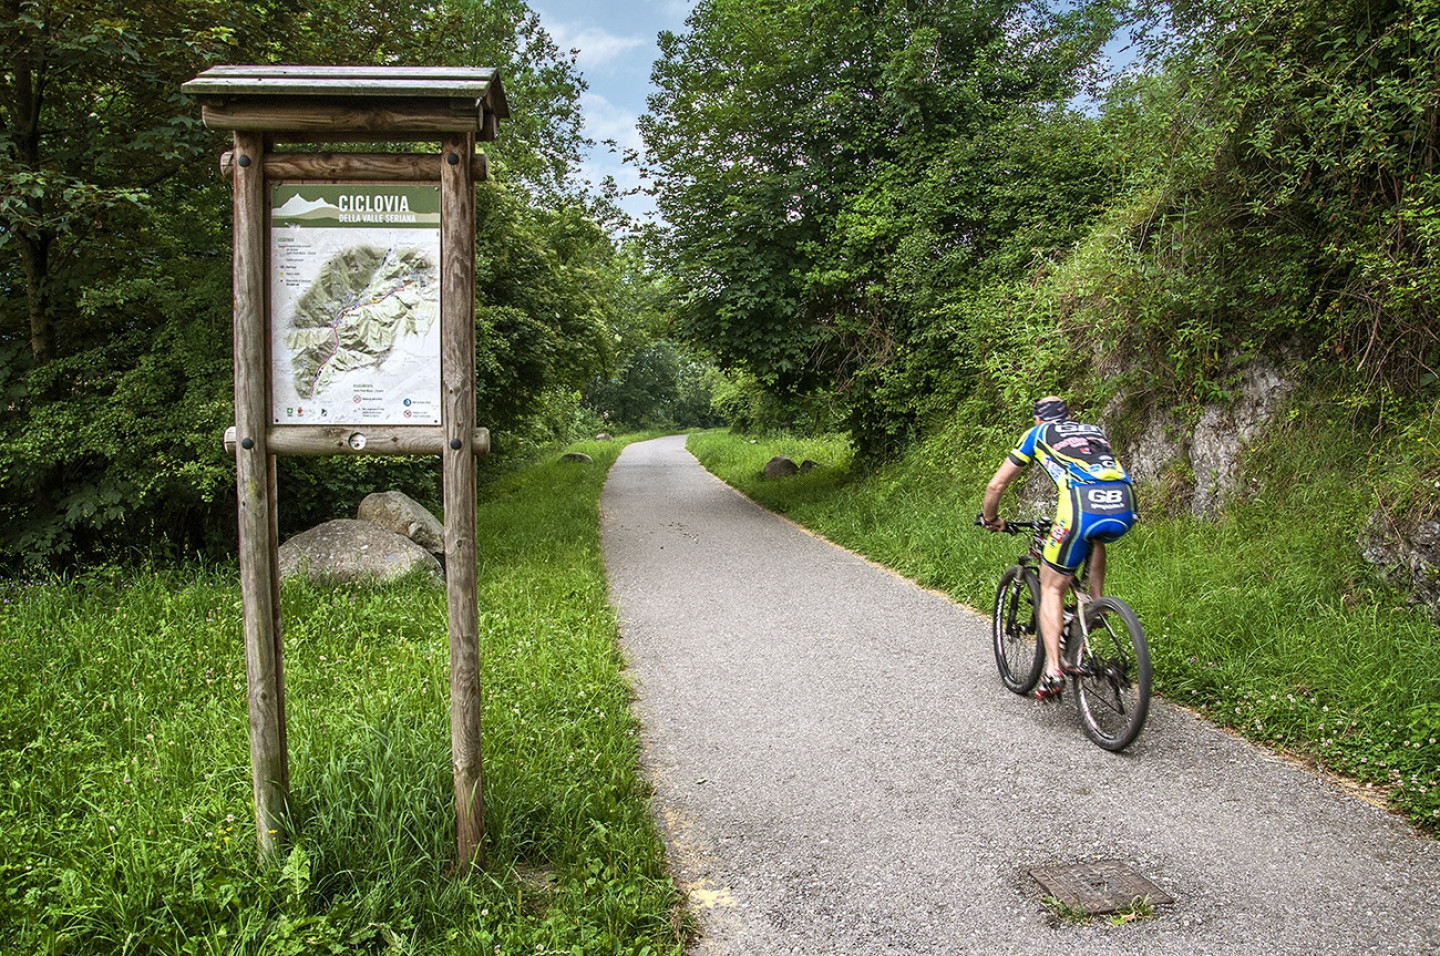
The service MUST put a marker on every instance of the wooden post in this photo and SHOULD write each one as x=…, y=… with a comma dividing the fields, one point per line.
x=254, y=466
x=457, y=376
x=263, y=105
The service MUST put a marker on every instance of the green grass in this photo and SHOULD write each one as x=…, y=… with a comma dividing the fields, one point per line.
x=126, y=823
x=1267, y=621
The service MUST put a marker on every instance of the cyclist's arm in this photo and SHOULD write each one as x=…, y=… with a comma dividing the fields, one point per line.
x=1004, y=475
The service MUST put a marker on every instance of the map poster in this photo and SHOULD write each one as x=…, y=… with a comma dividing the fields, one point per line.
x=355, y=304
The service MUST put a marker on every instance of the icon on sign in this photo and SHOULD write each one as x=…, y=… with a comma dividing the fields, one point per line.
x=407, y=413
x=407, y=403
x=356, y=399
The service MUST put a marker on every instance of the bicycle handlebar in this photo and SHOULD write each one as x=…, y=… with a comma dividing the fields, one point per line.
x=1015, y=527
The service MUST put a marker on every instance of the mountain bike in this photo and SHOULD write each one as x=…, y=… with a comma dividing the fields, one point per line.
x=1103, y=647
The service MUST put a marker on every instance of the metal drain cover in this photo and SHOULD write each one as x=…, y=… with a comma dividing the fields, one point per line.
x=1097, y=888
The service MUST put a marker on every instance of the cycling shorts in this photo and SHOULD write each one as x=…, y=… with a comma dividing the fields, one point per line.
x=1086, y=514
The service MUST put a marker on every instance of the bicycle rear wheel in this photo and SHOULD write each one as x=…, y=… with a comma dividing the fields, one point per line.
x=1112, y=675
x=1015, y=629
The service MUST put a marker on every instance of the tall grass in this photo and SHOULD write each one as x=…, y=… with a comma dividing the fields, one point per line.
x=126, y=823
x=1265, y=620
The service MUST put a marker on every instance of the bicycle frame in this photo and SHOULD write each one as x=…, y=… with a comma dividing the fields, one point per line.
x=1035, y=558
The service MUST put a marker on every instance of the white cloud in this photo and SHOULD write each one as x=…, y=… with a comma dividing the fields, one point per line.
x=604, y=120
x=598, y=48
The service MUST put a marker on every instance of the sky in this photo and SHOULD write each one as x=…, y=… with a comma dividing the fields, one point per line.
x=616, y=40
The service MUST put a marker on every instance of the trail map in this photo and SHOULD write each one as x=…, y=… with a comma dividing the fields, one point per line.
x=355, y=304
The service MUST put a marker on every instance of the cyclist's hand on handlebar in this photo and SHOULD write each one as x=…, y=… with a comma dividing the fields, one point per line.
x=996, y=525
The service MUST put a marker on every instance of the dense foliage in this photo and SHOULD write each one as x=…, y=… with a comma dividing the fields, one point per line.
x=918, y=211
x=836, y=176
x=115, y=259
x=1276, y=186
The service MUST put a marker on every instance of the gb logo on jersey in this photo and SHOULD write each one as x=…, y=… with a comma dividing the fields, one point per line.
x=1106, y=497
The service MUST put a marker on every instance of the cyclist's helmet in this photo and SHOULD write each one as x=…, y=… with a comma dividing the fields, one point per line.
x=1052, y=410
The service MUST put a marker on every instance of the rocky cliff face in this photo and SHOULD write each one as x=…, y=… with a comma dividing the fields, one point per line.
x=1199, y=465
x=1407, y=555
x=1201, y=462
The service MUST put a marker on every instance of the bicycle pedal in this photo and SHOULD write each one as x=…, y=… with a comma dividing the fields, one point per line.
x=1049, y=689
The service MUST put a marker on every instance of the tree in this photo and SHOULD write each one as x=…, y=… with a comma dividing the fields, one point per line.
x=1283, y=173
x=90, y=120
x=115, y=252
x=831, y=173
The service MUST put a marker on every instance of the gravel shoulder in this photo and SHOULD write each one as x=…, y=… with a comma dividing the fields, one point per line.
x=838, y=769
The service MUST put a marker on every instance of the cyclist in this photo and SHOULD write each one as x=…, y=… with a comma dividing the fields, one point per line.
x=1096, y=505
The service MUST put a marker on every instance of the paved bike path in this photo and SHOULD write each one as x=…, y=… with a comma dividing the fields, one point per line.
x=839, y=771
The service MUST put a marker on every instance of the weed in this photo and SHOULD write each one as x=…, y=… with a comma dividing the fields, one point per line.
x=1065, y=913
x=1137, y=909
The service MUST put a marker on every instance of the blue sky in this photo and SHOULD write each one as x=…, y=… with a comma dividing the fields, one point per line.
x=616, y=40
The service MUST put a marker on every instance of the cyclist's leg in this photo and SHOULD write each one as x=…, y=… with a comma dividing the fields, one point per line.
x=1053, y=585
x=1100, y=524
x=1096, y=582
x=1064, y=552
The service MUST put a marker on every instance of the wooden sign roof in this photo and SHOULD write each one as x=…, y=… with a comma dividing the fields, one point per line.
x=351, y=102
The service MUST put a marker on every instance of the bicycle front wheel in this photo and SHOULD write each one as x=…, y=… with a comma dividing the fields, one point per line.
x=1112, y=675
x=1015, y=628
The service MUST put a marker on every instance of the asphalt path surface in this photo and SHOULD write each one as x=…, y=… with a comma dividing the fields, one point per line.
x=838, y=769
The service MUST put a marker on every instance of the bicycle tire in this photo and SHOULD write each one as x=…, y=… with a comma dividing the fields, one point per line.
x=1014, y=629
x=1112, y=679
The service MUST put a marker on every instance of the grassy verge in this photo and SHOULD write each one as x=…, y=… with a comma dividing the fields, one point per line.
x=1267, y=620
x=125, y=808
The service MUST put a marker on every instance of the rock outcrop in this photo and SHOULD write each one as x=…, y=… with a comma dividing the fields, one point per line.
x=1408, y=558
x=1209, y=452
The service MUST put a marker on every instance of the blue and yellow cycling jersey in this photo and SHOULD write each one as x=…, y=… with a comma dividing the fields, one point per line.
x=1070, y=453
x=1096, y=501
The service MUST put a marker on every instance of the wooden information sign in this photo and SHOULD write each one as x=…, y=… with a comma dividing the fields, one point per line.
x=354, y=279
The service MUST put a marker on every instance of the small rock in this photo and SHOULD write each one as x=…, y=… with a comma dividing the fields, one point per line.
x=578, y=457
x=781, y=467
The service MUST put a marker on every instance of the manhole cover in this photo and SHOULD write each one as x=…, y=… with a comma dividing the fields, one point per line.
x=1097, y=888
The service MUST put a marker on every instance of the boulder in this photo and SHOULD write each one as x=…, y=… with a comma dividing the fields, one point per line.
x=781, y=467
x=348, y=550
x=398, y=512
x=577, y=457
x=603, y=436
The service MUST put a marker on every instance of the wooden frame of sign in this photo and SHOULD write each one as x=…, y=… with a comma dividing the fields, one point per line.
x=263, y=106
